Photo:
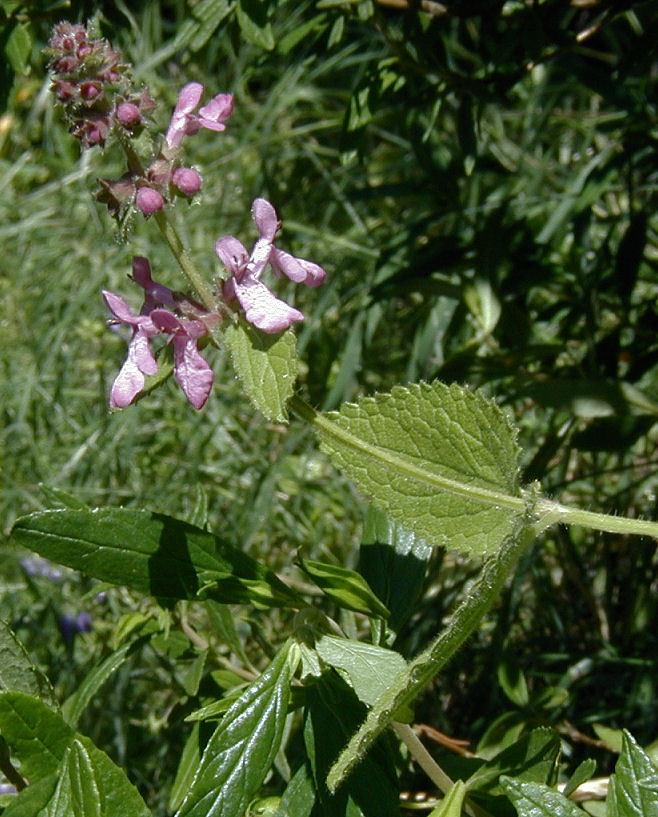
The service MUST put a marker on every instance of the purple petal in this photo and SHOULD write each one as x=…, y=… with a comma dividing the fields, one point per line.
x=140, y=352
x=297, y=269
x=218, y=110
x=260, y=255
x=193, y=374
x=266, y=218
x=188, y=99
x=156, y=294
x=264, y=309
x=127, y=384
x=232, y=253
x=119, y=308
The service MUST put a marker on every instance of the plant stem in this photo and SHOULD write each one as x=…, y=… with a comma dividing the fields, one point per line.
x=170, y=235
x=409, y=684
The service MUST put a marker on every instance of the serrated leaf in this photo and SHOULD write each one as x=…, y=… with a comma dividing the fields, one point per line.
x=37, y=736
x=151, y=553
x=18, y=673
x=240, y=752
x=393, y=561
x=634, y=785
x=368, y=668
x=344, y=586
x=451, y=805
x=90, y=785
x=535, y=800
x=441, y=460
x=267, y=366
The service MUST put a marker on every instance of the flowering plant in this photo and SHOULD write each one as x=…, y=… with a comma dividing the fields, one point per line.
x=440, y=462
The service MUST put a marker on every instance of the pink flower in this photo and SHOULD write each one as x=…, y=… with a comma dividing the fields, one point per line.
x=261, y=306
x=211, y=116
x=191, y=371
x=187, y=180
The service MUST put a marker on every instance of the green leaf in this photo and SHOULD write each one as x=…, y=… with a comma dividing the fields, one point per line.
x=252, y=19
x=151, y=553
x=298, y=799
x=37, y=736
x=393, y=561
x=346, y=587
x=451, y=805
x=187, y=766
x=34, y=799
x=240, y=752
x=76, y=703
x=367, y=668
x=511, y=678
x=90, y=785
x=535, y=800
x=582, y=773
x=18, y=673
x=441, y=460
x=532, y=758
x=19, y=48
x=267, y=366
x=332, y=715
x=634, y=785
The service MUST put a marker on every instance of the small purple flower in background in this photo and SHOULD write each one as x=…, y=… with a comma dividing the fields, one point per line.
x=211, y=116
x=261, y=306
x=192, y=373
x=71, y=625
x=38, y=566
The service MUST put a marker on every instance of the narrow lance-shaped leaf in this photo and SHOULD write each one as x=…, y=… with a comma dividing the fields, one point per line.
x=240, y=752
x=344, y=586
x=18, y=673
x=441, y=460
x=151, y=553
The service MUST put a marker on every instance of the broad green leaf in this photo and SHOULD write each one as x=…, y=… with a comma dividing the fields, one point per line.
x=37, y=736
x=90, y=785
x=253, y=22
x=441, y=460
x=393, y=561
x=76, y=703
x=451, y=805
x=346, y=587
x=267, y=366
x=533, y=758
x=240, y=752
x=613, y=737
x=634, y=785
x=536, y=800
x=18, y=673
x=151, y=553
x=32, y=800
x=366, y=667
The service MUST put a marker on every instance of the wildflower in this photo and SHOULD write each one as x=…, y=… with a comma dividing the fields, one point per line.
x=211, y=116
x=70, y=625
x=187, y=180
x=157, y=317
x=261, y=306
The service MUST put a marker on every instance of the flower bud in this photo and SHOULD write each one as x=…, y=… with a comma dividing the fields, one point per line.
x=128, y=114
x=187, y=180
x=149, y=201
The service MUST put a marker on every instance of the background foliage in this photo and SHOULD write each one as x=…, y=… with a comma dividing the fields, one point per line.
x=479, y=180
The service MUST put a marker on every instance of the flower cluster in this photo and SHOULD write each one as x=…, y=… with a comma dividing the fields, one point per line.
x=94, y=87
x=261, y=307
x=164, y=312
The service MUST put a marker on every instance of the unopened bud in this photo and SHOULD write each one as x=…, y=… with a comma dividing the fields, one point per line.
x=149, y=201
x=128, y=114
x=187, y=180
